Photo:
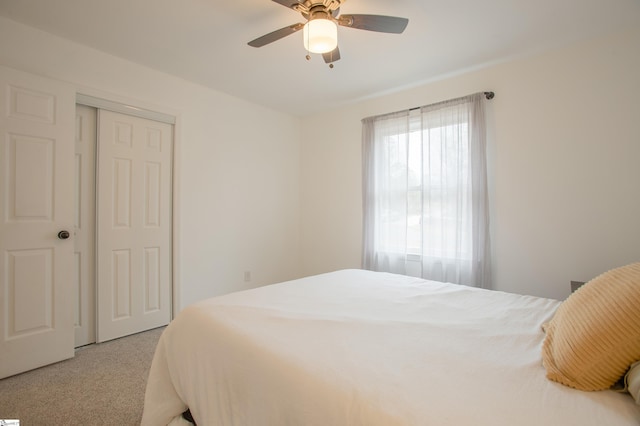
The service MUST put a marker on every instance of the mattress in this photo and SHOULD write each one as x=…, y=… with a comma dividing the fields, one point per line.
x=357, y=347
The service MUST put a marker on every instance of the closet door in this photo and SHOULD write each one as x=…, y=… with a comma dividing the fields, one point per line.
x=36, y=223
x=85, y=225
x=133, y=224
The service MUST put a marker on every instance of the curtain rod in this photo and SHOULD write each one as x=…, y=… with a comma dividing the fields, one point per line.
x=488, y=95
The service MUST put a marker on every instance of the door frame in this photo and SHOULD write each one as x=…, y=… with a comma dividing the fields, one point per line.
x=137, y=108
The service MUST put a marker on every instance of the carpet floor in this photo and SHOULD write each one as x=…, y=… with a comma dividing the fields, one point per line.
x=103, y=384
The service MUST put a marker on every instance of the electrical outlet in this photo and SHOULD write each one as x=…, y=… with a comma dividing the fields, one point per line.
x=247, y=276
x=575, y=285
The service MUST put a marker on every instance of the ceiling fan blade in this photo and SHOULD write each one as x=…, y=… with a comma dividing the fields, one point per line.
x=379, y=23
x=332, y=56
x=288, y=3
x=275, y=35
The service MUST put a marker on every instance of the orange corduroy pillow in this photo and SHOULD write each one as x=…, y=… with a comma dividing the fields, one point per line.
x=595, y=334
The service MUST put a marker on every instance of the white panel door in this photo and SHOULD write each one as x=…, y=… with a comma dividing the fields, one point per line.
x=36, y=203
x=85, y=224
x=134, y=224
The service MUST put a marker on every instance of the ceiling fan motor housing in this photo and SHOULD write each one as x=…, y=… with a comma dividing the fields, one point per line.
x=318, y=10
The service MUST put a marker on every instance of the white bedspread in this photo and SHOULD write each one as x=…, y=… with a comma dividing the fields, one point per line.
x=364, y=348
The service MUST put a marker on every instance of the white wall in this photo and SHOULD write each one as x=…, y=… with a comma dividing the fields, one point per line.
x=565, y=197
x=564, y=163
x=238, y=163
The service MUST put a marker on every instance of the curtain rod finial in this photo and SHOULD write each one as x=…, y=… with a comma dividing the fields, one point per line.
x=489, y=95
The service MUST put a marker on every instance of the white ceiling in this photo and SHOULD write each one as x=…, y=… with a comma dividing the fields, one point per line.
x=205, y=41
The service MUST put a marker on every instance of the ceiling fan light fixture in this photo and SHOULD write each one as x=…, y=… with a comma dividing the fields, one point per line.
x=320, y=36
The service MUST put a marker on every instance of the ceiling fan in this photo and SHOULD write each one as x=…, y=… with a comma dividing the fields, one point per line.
x=320, y=32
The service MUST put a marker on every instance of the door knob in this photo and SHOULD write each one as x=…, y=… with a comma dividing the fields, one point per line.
x=63, y=235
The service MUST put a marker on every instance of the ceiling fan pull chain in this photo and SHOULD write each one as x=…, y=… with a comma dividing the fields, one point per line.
x=308, y=57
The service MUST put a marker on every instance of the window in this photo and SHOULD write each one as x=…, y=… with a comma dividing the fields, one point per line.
x=425, y=192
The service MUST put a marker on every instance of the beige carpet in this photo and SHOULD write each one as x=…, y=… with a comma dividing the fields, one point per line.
x=103, y=385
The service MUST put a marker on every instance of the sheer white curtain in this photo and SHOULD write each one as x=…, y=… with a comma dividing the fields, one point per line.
x=425, y=192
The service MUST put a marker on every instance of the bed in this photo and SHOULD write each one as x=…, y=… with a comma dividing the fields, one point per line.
x=357, y=347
